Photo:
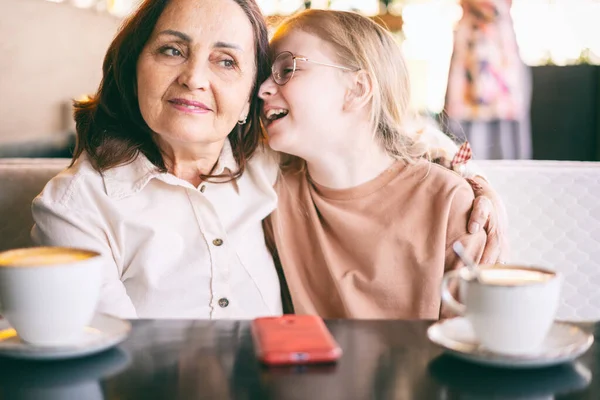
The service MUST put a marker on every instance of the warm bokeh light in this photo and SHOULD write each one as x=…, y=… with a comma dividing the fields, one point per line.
x=548, y=31
x=366, y=7
x=427, y=46
x=556, y=31
x=560, y=32
x=120, y=7
x=83, y=3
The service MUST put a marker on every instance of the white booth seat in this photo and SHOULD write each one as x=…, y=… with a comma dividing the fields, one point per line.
x=553, y=212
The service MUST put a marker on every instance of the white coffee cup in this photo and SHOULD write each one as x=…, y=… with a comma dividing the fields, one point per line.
x=49, y=294
x=511, y=308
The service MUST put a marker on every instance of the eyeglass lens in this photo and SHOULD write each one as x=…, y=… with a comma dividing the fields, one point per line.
x=283, y=68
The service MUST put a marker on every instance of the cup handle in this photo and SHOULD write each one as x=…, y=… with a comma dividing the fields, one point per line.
x=447, y=297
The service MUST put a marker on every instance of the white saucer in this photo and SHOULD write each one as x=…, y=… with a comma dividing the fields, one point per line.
x=565, y=342
x=102, y=333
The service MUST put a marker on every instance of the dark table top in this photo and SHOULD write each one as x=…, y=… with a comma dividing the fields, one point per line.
x=215, y=360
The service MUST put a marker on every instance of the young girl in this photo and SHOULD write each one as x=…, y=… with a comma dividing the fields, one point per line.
x=365, y=223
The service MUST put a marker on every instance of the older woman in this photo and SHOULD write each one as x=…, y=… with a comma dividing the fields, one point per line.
x=168, y=180
x=175, y=115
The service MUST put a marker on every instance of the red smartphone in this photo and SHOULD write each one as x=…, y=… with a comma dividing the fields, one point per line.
x=294, y=339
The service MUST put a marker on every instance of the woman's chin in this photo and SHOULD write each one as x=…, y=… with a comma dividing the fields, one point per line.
x=185, y=135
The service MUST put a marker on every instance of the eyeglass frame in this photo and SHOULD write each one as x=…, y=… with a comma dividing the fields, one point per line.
x=295, y=57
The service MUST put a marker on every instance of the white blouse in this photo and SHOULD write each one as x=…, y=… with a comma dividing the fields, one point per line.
x=171, y=250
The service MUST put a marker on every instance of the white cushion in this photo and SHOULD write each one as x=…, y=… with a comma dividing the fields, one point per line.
x=554, y=221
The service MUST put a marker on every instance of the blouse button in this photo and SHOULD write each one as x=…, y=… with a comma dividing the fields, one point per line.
x=202, y=188
x=223, y=302
x=217, y=242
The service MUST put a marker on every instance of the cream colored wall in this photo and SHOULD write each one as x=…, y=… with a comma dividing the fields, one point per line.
x=49, y=53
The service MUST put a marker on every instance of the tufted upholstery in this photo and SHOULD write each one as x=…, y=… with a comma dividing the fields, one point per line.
x=554, y=221
x=21, y=179
x=553, y=209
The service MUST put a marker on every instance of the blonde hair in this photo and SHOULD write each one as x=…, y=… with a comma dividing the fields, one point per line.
x=361, y=43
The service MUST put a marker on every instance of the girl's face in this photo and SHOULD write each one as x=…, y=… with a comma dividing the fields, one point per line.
x=305, y=117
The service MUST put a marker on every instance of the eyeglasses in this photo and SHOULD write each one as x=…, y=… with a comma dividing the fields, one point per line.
x=284, y=67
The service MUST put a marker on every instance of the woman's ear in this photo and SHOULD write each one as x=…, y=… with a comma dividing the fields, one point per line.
x=360, y=92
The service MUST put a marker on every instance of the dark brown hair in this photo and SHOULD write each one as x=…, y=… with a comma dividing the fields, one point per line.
x=110, y=127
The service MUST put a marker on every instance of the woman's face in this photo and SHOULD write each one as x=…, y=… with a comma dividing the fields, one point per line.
x=196, y=72
x=313, y=100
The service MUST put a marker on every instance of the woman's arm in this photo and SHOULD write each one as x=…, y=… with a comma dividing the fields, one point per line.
x=474, y=244
x=489, y=213
x=488, y=210
x=57, y=225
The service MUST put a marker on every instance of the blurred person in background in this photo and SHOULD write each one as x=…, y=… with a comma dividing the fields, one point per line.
x=489, y=87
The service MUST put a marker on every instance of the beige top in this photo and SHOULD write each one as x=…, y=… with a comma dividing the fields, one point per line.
x=378, y=250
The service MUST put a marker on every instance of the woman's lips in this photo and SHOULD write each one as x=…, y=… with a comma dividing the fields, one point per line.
x=190, y=106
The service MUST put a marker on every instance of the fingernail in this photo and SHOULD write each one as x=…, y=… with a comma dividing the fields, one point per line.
x=474, y=227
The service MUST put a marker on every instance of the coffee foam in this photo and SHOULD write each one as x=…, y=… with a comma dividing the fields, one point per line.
x=43, y=256
x=514, y=276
